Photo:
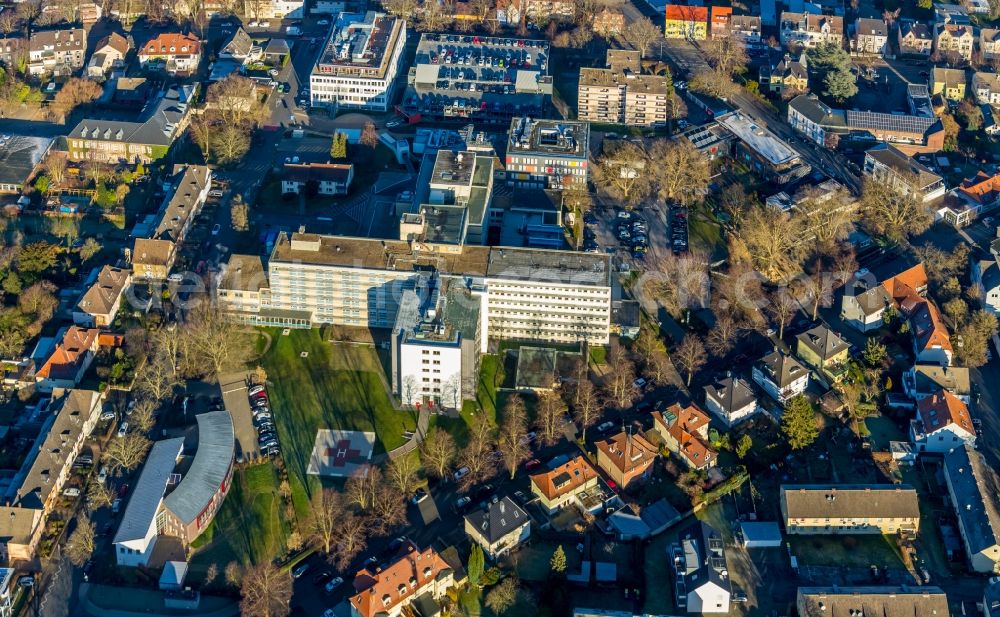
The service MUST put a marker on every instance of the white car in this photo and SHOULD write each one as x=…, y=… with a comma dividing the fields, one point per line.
x=323, y=22
x=215, y=193
x=102, y=475
x=461, y=473
x=122, y=429
x=640, y=383
x=273, y=72
x=253, y=24
x=71, y=492
x=265, y=24
x=215, y=229
x=607, y=426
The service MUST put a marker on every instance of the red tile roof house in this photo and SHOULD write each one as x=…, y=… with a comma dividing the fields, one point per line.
x=685, y=433
x=626, y=458
x=942, y=423
x=180, y=53
x=413, y=577
x=72, y=356
x=559, y=487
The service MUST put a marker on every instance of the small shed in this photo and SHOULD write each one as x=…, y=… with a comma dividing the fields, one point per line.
x=174, y=573
x=760, y=534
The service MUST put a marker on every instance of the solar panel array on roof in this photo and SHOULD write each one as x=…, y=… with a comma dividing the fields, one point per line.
x=888, y=122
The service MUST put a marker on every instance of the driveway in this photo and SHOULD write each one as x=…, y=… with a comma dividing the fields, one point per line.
x=234, y=395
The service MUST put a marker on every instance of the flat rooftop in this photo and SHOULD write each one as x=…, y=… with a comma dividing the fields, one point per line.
x=563, y=138
x=636, y=83
x=550, y=266
x=760, y=139
x=497, y=262
x=359, y=44
x=453, y=168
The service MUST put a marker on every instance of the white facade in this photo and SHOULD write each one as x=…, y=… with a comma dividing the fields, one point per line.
x=353, y=85
x=136, y=553
x=708, y=598
x=731, y=417
x=942, y=439
x=431, y=370
x=535, y=310
x=778, y=393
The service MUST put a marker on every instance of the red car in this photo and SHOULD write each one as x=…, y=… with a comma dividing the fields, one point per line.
x=532, y=464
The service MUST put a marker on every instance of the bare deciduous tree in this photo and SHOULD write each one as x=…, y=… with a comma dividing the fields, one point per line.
x=478, y=452
x=328, y=509
x=782, y=308
x=82, y=542
x=690, y=355
x=723, y=335
x=892, y=212
x=549, y=416
x=623, y=171
x=619, y=381
x=362, y=485
x=216, y=342
x=388, y=508
x=126, y=452
x=771, y=241
x=641, y=34
x=587, y=408
x=402, y=472
x=99, y=496
x=438, y=450
x=266, y=591
x=143, y=416
x=513, y=440
x=679, y=170
x=350, y=538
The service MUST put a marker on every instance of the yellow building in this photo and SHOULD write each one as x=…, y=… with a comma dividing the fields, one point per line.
x=949, y=83
x=686, y=22
x=849, y=509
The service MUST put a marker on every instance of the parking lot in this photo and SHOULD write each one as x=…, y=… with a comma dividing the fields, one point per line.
x=234, y=395
x=470, y=76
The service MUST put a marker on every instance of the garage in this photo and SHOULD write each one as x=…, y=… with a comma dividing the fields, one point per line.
x=760, y=535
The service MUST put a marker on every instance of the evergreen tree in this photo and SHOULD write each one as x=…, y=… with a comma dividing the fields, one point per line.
x=558, y=562
x=798, y=424
x=475, y=565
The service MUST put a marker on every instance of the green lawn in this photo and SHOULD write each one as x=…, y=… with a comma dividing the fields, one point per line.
x=335, y=386
x=707, y=236
x=491, y=374
x=858, y=551
x=251, y=525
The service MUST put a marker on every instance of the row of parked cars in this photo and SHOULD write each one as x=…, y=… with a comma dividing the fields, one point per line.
x=678, y=230
x=267, y=436
x=632, y=229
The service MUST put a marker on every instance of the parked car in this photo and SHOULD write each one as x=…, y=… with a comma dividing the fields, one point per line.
x=419, y=496
x=333, y=584
x=215, y=193
x=607, y=426
x=299, y=570
x=122, y=429
x=532, y=464
x=71, y=492
x=640, y=382
x=461, y=473
x=461, y=502
x=26, y=581
x=102, y=475
x=255, y=390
